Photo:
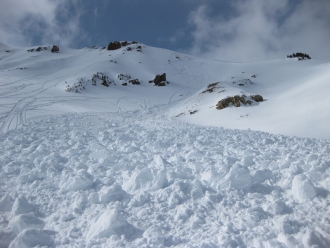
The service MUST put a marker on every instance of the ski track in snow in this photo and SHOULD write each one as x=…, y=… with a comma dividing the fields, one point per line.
x=139, y=180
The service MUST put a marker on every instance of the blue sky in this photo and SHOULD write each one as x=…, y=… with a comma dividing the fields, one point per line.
x=236, y=30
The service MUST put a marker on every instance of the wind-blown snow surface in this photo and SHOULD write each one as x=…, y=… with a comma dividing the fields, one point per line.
x=113, y=166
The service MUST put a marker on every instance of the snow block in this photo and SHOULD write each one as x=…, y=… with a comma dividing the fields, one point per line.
x=21, y=206
x=6, y=237
x=94, y=198
x=315, y=239
x=24, y=221
x=302, y=188
x=112, y=194
x=154, y=236
x=261, y=175
x=31, y=238
x=112, y=222
x=27, y=178
x=124, y=138
x=147, y=179
x=6, y=203
x=82, y=181
x=238, y=178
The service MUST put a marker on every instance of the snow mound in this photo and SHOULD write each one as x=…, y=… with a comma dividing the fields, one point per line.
x=302, y=188
x=111, y=222
x=31, y=238
x=24, y=221
x=81, y=181
x=238, y=178
x=21, y=206
x=6, y=203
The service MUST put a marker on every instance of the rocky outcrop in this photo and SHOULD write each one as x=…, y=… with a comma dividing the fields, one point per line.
x=118, y=44
x=160, y=80
x=237, y=100
x=134, y=81
x=55, y=49
x=257, y=98
x=39, y=49
x=114, y=45
x=300, y=56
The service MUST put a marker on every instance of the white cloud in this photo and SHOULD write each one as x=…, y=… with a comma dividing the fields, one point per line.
x=51, y=21
x=262, y=29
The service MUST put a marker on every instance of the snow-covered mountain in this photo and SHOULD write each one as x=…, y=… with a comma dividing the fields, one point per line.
x=96, y=153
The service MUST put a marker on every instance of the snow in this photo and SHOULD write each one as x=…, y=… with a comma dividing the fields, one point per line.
x=129, y=166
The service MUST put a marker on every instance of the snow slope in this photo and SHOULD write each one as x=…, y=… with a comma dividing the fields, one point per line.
x=296, y=92
x=126, y=166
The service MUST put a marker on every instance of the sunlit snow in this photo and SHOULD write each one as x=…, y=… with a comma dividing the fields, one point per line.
x=149, y=166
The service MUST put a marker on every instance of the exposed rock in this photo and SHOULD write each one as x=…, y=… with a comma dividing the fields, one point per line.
x=114, y=45
x=124, y=76
x=212, y=87
x=55, y=49
x=134, y=81
x=118, y=44
x=105, y=83
x=124, y=84
x=160, y=80
x=237, y=100
x=257, y=98
x=38, y=49
x=300, y=56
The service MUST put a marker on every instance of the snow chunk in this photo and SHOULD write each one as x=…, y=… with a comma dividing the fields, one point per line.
x=28, y=177
x=6, y=203
x=94, y=198
x=261, y=175
x=238, y=178
x=82, y=181
x=24, y=221
x=159, y=161
x=111, y=222
x=31, y=238
x=315, y=239
x=147, y=179
x=67, y=217
x=21, y=206
x=154, y=235
x=112, y=194
x=6, y=237
x=302, y=188
x=124, y=138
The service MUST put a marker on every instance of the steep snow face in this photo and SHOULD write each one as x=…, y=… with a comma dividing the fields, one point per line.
x=112, y=163
x=35, y=84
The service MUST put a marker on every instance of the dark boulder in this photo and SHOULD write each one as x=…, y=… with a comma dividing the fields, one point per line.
x=134, y=81
x=55, y=49
x=237, y=100
x=160, y=78
x=114, y=45
x=257, y=98
x=104, y=83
